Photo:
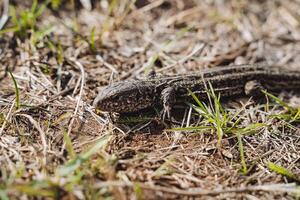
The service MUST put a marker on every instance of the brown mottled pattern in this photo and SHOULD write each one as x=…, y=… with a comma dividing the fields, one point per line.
x=132, y=96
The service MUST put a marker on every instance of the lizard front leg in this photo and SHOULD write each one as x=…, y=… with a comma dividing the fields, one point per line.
x=168, y=99
x=254, y=88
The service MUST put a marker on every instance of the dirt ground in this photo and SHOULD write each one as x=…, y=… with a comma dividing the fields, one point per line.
x=56, y=55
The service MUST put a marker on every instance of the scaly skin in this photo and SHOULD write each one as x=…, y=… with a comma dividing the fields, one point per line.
x=230, y=81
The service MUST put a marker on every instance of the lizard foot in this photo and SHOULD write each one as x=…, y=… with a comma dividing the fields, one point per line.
x=254, y=88
x=168, y=99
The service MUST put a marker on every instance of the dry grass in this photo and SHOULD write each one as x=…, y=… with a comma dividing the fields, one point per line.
x=54, y=145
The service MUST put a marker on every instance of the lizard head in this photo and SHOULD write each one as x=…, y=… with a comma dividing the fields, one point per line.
x=124, y=97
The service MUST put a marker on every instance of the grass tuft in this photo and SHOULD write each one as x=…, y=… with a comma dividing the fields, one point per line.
x=24, y=23
x=222, y=122
x=213, y=114
x=76, y=162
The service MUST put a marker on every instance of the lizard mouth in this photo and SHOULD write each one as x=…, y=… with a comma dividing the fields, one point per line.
x=100, y=102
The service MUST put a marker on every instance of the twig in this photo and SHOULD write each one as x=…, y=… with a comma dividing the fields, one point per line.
x=197, y=49
x=147, y=8
x=42, y=134
x=80, y=66
x=182, y=15
x=7, y=118
x=106, y=64
x=290, y=188
x=86, y=4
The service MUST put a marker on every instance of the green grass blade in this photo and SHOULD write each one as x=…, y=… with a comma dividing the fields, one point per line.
x=69, y=145
x=92, y=40
x=200, y=104
x=281, y=170
x=297, y=115
x=113, y=4
x=219, y=113
x=34, y=6
x=18, y=104
x=36, y=189
x=150, y=63
x=250, y=129
x=242, y=153
x=55, y=4
x=9, y=30
x=39, y=11
x=74, y=164
x=94, y=149
x=138, y=191
x=13, y=14
x=277, y=100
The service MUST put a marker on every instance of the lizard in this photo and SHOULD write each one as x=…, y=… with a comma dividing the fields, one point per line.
x=228, y=81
